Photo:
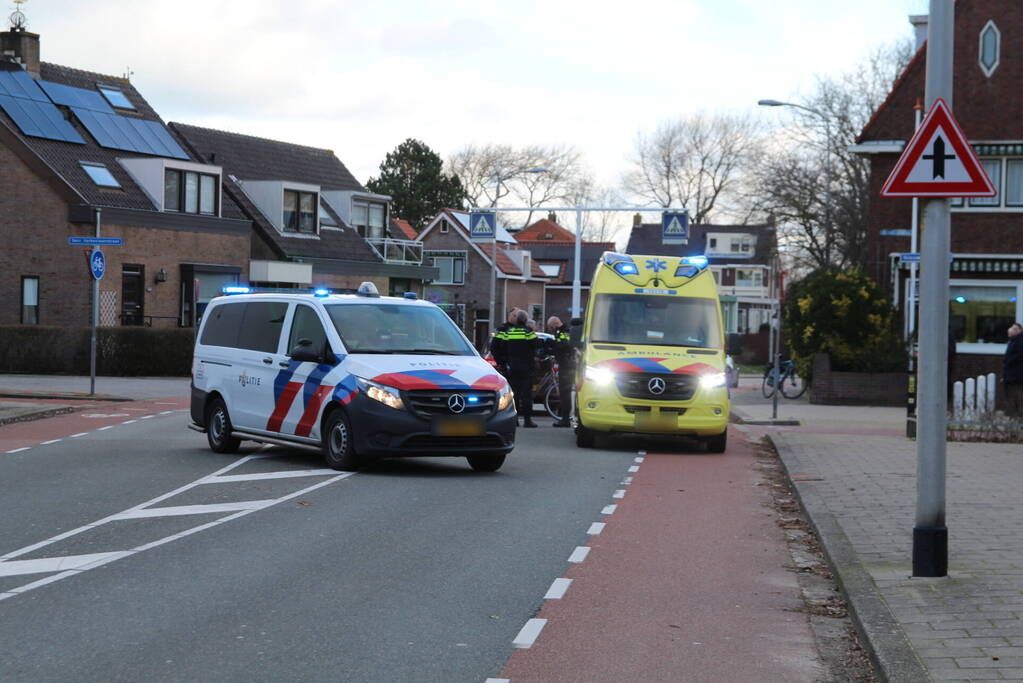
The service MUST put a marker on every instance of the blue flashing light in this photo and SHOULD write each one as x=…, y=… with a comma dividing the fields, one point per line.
x=960, y=299
x=698, y=261
x=321, y=291
x=687, y=271
x=626, y=268
x=1013, y=300
x=472, y=399
x=235, y=289
x=411, y=295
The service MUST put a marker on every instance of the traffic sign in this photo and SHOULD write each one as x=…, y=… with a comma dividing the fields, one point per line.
x=909, y=258
x=482, y=225
x=938, y=162
x=675, y=228
x=96, y=241
x=97, y=264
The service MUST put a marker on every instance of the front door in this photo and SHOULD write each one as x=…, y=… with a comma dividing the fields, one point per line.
x=132, y=294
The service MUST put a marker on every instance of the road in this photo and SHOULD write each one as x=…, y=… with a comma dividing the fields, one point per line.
x=129, y=551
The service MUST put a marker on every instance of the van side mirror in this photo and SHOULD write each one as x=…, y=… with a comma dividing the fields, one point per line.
x=304, y=352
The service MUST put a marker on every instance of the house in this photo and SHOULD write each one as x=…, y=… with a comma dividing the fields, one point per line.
x=463, y=285
x=313, y=223
x=743, y=259
x=986, y=270
x=83, y=154
x=553, y=250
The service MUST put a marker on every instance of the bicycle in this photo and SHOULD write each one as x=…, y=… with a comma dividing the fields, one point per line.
x=792, y=385
x=549, y=393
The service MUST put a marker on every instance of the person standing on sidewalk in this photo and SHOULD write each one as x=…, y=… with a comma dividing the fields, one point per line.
x=514, y=351
x=1012, y=371
x=564, y=354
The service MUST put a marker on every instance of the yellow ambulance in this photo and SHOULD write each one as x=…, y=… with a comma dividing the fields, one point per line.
x=653, y=359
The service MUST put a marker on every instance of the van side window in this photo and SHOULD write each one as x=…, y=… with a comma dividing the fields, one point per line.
x=306, y=325
x=222, y=323
x=261, y=326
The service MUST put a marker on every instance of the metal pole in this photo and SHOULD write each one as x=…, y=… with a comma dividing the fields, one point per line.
x=914, y=246
x=95, y=318
x=776, y=334
x=493, y=261
x=576, y=281
x=930, y=535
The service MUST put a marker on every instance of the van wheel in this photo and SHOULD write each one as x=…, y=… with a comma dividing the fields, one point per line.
x=584, y=438
x=717, y=444
x=485, y=463
x=218, y=428
x=338, y=446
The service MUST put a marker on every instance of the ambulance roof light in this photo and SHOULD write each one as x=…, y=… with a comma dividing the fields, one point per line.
x=698, y=261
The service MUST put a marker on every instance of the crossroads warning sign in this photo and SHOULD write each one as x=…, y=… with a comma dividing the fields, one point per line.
x=938, y=162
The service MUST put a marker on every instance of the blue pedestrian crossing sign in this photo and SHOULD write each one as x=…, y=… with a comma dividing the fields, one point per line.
x=482, y=225
x=674, y=227
x=97, y=264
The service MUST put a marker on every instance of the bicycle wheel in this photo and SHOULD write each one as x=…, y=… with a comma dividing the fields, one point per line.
x=552, y=401
x=792, y=385
x=767, y=388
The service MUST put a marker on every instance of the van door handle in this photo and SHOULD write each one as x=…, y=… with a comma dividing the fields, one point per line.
x=268, y=361
x=285, y=364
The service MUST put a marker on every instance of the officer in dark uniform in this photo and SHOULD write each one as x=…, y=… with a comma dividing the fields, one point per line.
x=514, y=349
x=564, y=352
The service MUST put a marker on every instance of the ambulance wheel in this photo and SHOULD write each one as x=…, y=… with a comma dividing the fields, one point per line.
x=338, y=446
x=218, y=428
x=717, y=444
x=485, y=463
x=584, y=438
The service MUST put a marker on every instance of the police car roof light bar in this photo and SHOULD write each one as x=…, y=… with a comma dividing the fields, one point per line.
x=235, y=289
x=368, y=289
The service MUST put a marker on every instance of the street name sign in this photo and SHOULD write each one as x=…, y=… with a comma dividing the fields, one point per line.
x=482, y=225
x=909, y=258
x=674, y=228
x=96, y=241
x=938, y=162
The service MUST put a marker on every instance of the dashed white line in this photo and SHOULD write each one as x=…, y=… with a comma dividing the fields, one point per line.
x=128, y=422
x=639, y=459
x=634, y=468
x=557, y=589
x=641, y=453
x=497, y=680
x=529, y=633
x=166, y=412
x=19, y=450
x=596, y=528
x=620, y=493
x=103, y=429
x=609, y=509
x=579, y=554
x=148, y=417
x=75, y=436
x=47, y=443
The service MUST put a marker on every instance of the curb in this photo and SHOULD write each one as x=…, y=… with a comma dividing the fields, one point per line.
x=885, y=641
x=739, y=417
x=67, y=397
x=37, y=415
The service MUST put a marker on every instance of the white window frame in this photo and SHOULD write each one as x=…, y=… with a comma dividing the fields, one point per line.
x=987, y=348
x=454, y=255
x=998, y=48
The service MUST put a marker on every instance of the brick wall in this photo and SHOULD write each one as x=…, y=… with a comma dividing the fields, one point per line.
x=856, y=388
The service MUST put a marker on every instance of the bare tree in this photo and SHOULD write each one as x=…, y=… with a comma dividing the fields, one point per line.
x=696, y=162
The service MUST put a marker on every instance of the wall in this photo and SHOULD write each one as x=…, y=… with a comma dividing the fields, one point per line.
x=475, y=292
x=856, y=388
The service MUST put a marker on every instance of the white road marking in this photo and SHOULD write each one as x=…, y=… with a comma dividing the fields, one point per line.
x=177, y=510
x=227, y=479
x=579, y=554
x=595, y=528
x=103, y=429
x=165, y=412
x=557, y=589
x=45, y=565
x=128, y=422
x=75, y=436
x=497, y=680
x=19, y=450
x=104, y=414
x=47, y=443
x=609, y=509
x=628, y=479
x=634, y=468
x=639, y=459
x=148, y=417
x=641, y=453
x=620, y=493
x=529, y=633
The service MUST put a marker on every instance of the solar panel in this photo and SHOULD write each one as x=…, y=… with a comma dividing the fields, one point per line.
x=39, y=119
x=133, y=135
x=75, y=97
x=19, y=84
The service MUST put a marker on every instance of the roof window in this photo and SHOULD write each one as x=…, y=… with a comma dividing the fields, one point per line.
x=115, y=97
x=100, y=174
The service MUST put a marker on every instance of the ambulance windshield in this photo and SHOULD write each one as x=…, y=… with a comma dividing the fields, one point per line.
x=390, y=328
x=655, y=320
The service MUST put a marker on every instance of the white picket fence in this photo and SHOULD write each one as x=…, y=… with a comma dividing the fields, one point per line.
x=973, y=399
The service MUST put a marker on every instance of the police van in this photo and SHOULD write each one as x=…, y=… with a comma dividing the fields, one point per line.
x=653, y=358
x=356, y=377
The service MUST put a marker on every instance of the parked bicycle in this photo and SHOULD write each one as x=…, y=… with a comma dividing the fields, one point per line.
x=547, y=392
x=792, y=385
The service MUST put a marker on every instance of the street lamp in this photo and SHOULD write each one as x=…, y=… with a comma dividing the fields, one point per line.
x=498, y=179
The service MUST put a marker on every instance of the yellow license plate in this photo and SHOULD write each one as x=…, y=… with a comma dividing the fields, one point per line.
x=458, y=427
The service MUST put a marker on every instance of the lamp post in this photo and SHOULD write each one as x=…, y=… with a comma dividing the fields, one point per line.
x=498, y=179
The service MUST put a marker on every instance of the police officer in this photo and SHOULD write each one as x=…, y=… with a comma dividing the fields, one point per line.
x=564, y=353
x=514, y=349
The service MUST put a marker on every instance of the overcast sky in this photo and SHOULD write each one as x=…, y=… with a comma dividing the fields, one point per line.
x=359, y=78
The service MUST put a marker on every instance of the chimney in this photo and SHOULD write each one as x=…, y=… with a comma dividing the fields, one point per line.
x=552, y=217
x=637, y=220
x=919, y=22
x=20, y=45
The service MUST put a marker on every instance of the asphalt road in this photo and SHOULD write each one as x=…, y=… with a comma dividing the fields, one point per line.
x=414, y=570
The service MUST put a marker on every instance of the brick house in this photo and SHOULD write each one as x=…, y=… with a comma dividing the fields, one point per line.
x=553, y=250
x=462, y=287
x=743, y=259
x=986, y=273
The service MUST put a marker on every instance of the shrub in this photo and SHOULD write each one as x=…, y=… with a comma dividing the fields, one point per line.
x=845, y=315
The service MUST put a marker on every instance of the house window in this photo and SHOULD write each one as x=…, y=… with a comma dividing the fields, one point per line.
x=982, y=313
x=1014, y=182
x=993, y=168
x=734, y=245
x=749, y=277
x=368, y=218
x=443, y=227
x=713, y=243
x=29, y=300
x=300, y=211
x=990, y=43
x=115, y=97
x=550, y=269
x=190, y=192
x=99, y=174
x=456, y=312
x=451, y=265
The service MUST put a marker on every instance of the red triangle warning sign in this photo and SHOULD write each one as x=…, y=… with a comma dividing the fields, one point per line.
x=938, y=162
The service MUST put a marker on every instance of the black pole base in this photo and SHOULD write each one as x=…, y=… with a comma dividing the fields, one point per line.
x=930, y=551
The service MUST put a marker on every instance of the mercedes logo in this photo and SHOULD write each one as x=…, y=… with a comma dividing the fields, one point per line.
x=456, y=403
x=656, y=386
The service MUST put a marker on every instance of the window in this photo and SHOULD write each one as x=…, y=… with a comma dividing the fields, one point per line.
x=993, y=168
x=190, y=192
x=99, y=174
x=29, y=300
x=326, y=220
x=1014, y=182
x=261, y=326
x=300, y=211
x=713, y=243
x=734, y=246
x=368, y=217
x=550, y=269
x=389, y=328
x=443, y=227
x=653, y=319
x=199, y=285
x=982, y=313
x=451, y=265
x=990, y=39
x=223, y=324
x=115, y=97
x=306, y=325
x=749, y=277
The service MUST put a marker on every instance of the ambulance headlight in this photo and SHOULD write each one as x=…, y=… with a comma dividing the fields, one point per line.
x=389, y=396
x=599, y=376
x=713, y=380
x=505, y=398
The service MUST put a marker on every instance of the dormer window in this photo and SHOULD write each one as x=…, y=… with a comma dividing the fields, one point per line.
x=990, y=47
x=326, y=220
x=300, y=211
x=190, y=192
x=368, y=217
x=115, y=97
